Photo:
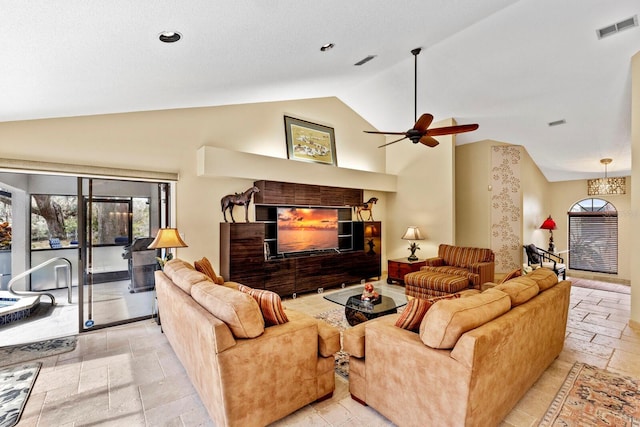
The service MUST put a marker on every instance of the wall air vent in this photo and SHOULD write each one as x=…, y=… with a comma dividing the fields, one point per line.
x=365, y=60
x=557, y=122
x=617, y=27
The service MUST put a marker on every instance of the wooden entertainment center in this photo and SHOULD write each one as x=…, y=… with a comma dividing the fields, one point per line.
x=248, y=251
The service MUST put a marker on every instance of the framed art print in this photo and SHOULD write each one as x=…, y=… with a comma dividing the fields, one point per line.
x=310, y=142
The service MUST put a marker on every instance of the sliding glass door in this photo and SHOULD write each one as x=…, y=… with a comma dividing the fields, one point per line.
x=116, y=222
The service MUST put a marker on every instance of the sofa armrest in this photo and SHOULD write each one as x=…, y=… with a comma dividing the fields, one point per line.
x=435, y=262
x=328, y=339
x=485, y=272
x=353, y=341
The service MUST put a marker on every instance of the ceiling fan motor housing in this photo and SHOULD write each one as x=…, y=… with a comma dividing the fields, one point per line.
x=414, y=135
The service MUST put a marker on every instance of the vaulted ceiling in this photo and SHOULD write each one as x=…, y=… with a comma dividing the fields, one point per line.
x=510, y=66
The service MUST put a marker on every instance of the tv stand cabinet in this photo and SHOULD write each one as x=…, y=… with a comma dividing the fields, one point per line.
x=247, y=249
x=242, y=260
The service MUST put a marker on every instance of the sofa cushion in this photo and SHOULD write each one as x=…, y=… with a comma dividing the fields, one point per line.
x=415, y=310
x=464, y=257
x=270, y=305
x=446, y=321
x=238, y=310
x=183, y=274
x=520, y=289
x=205, y=267
x=544, y=277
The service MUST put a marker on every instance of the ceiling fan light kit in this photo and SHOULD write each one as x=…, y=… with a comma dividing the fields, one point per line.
x=420, y=132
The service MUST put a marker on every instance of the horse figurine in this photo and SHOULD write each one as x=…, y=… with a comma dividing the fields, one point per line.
x=366, y=206
x=238, y=199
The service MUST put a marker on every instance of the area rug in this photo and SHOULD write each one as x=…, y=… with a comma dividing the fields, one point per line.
x=336, y=318
x=16, y=383
x=24, y=352
x=594, y=397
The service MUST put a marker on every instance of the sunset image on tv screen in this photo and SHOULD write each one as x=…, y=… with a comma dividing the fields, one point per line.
x=304, y=229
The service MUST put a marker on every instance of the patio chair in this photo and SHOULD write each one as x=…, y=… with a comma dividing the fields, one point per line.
x=538, y=257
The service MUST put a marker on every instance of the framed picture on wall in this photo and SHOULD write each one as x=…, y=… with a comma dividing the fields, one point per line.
x=310, y=142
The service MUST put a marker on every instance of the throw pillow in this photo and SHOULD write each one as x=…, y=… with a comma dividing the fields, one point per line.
x=205, y=267
x=517, y=272
x=415, y=310
x=270, y=305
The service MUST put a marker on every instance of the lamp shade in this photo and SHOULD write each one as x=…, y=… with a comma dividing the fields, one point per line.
x=167, y=238
x=371, y=231
x=412, y=233
x=548, y=224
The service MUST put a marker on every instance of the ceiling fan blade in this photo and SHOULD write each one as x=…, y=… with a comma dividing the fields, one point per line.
x=429, y=141
x=423, y=122
x=383, y=133
x=393, y=142
x=449, y=130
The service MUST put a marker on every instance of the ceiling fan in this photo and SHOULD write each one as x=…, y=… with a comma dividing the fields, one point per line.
x=420, y=131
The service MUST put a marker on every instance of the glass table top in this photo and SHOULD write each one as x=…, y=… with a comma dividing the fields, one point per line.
x=350, y=298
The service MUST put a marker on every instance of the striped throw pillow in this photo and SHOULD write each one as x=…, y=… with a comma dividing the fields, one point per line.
x=415, y=310
x=270, y=305
x=205, y=267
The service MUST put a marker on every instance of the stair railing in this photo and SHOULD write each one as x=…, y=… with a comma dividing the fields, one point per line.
x=39, y=267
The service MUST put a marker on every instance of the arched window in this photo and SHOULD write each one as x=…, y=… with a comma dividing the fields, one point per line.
x=593, y=236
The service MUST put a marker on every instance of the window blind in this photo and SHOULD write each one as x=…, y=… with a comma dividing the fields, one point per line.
x=593, y=241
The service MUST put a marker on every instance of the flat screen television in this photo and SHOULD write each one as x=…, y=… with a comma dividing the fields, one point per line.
x=306, y=229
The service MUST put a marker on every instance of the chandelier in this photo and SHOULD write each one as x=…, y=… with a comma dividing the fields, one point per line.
x=606, y=186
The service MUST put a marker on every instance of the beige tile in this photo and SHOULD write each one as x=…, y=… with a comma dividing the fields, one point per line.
x=56, y=378
x=136, y=371
x=165, y=391
x=87, y=407
x=580, y=346
x=91, y=379
x=173, y=410
x=625, y=362
x=596, y=329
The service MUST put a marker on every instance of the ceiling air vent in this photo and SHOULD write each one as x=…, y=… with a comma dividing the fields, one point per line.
x=365, y=60
x=557, y=122
x=617, y=27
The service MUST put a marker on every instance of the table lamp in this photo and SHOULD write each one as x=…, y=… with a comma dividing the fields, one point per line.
x=549, y=224
x=165, y=239
x=413, y=233
x=371, y=231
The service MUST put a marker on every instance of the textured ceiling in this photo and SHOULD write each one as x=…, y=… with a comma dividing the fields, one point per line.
x=511, y=66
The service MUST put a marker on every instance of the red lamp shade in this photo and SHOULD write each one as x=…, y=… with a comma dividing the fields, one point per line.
x=548, y=224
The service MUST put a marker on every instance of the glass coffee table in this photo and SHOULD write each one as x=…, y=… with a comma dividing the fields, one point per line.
x=357, y=311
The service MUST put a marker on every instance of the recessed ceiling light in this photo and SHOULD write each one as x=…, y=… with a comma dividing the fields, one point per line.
x=326, y=47
x=169, y=36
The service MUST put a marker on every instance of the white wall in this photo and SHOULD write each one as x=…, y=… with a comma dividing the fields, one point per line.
x=425, y=196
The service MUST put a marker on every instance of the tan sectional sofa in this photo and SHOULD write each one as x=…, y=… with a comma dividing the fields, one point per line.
x=472, y=360
x=245, y=373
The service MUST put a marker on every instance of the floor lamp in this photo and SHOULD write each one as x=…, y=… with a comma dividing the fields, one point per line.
x=165, y=239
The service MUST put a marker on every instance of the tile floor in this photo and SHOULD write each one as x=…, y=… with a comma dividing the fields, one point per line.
x=129, y=375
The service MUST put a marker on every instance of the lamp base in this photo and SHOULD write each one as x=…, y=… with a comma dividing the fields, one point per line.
x=413, y=248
